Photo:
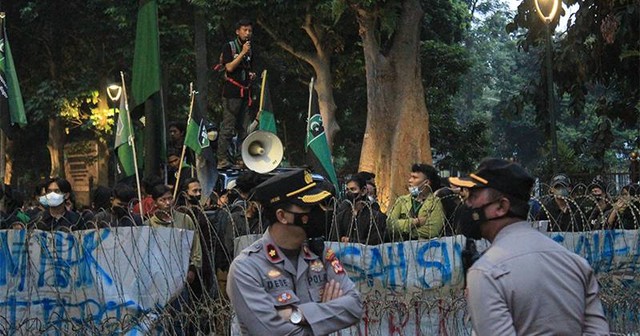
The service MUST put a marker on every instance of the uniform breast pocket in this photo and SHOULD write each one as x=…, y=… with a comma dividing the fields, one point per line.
x=281, y=289
x=317, y=281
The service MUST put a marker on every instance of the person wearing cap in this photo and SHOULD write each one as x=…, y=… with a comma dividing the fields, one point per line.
x=560, y=209
x=525, y=283
x=280, y=285
x=419, y=214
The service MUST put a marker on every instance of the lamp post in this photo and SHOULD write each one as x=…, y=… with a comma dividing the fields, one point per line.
x=550, y=8
x=114, y=91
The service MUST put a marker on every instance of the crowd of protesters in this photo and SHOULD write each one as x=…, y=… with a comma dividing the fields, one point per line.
x=429, y=209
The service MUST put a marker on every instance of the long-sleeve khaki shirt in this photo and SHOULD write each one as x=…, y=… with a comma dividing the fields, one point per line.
x=527, y=284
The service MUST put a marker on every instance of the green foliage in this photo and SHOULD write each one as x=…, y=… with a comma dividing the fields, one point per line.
x=591, y=57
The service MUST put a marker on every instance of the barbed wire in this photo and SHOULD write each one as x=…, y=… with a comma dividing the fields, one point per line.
x=88, y=306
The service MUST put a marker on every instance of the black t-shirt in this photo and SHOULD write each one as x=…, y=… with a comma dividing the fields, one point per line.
x=240, y=75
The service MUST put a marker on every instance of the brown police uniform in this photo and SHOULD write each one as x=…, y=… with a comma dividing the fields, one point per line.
x=262, y=279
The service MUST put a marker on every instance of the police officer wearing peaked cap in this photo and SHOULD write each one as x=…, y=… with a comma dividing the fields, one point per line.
x=278, y=285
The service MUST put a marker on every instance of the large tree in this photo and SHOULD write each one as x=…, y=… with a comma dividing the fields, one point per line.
x=397, y=130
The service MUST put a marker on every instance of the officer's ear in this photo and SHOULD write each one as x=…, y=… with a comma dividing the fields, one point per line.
x=280, y=216
x=504, y=205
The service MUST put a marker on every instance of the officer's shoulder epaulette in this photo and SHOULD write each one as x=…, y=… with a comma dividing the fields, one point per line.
x=255, y=247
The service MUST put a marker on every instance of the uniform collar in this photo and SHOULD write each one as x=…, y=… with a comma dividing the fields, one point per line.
x=275, y=255
x=513, y=228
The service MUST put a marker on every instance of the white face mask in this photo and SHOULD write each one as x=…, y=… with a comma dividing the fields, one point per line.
x=54, y=199
x=43, y=201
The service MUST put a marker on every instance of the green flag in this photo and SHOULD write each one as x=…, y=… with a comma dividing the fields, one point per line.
x=266, y=122
x=123, y=148
x=11, y=105
x=196, y=136
x=146, y=58
x=145, y=83
x=317, y=139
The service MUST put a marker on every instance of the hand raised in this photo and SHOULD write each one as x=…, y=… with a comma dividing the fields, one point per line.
x=331, y=291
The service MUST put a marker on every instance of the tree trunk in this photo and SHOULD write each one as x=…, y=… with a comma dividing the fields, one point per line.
x=206, y=169
x=7, y=162
x=56, y=146
x=323, y=85
x=397, y=131
x=200, y=30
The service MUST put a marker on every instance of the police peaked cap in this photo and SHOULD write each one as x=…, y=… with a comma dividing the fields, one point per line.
x=502, y=175
x=296, y=187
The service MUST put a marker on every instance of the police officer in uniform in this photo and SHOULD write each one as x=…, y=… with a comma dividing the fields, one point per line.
x=278, y=285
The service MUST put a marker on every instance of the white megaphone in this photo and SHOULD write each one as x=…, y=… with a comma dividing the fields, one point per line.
x=262, y=151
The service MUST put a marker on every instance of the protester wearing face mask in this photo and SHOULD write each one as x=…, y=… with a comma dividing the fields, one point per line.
x=57, y=217
x=596, y=205
x=560, y=208
x=205, y=284
x=356, y=220
x=525, y=283
x=625, y=213
x=119, y=213
x=279, y=285
x=419, y=214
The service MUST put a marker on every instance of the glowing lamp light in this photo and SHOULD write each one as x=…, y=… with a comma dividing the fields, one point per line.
x=551, y=6
x=114, y=91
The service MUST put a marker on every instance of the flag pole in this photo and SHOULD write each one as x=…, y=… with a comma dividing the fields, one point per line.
x=3, y=142
x=3, y=152
x=132, y=142
x=184, y=145
x=256, y=121
x=309, y=109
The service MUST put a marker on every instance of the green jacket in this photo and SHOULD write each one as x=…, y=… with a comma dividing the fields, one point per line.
x=182, y=221
x=399, y=218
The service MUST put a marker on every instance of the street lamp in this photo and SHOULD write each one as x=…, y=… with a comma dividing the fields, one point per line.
x=547, y=10
x=114, y=91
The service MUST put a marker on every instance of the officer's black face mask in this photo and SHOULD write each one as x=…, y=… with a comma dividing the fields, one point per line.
x=470, y=219
x=313, y=224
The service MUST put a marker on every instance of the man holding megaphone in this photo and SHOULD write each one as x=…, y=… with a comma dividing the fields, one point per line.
x=236, y=58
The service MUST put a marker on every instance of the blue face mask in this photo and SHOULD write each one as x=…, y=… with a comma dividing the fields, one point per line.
x=43, y=201
x=414, y=191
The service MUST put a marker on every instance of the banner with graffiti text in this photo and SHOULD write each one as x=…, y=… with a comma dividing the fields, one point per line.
x=100, y=281
x=416, y=287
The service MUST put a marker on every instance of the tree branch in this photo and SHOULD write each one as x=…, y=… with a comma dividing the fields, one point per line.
x=306, y=56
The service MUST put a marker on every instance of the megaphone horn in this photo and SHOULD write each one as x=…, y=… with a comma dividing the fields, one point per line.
x=256, y=148
x=262, y=151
